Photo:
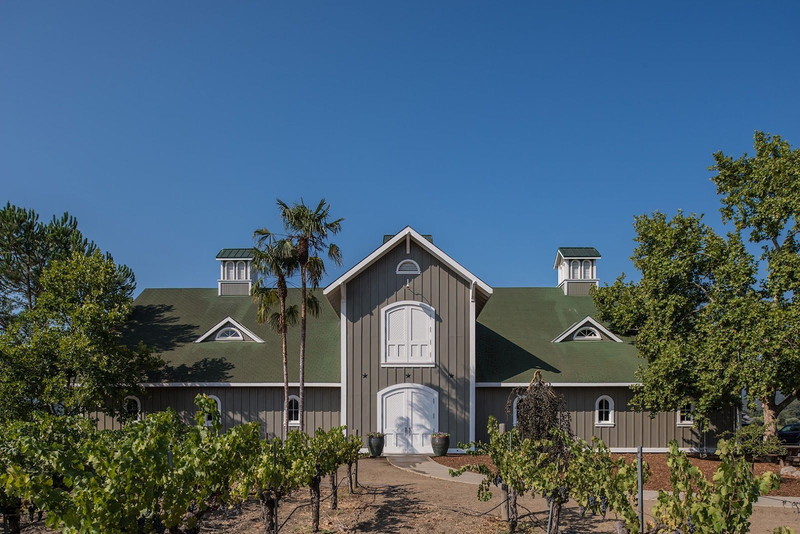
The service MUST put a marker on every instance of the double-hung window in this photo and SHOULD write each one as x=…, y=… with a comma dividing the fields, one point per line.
x=407, y=334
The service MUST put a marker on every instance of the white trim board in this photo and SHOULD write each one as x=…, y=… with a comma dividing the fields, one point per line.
x=343, y=354
x=236, y=384
x=235, y=323
x=575, y=327
x=559, y=384
x=424, y=243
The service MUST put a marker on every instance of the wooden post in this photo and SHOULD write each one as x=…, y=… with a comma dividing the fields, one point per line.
x=641, y=488
x=503, y=487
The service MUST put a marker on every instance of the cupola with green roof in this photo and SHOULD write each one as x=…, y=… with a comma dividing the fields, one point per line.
x=235, y=274
x=577, y=269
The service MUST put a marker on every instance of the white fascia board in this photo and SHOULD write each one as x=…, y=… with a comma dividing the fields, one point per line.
x=235, y=259
x=555, y=263
x=559, y=384
x=343, y=355
x=421, y=241
x=236, y=384
x=574, y=328
x=235, y=323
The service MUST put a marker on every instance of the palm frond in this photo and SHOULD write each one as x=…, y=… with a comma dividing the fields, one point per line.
x=312, y=304
x=292, y=315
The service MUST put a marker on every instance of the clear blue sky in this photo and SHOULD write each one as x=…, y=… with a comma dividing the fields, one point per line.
x=504, y=129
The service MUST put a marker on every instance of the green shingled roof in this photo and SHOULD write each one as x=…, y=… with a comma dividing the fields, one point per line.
x=579, y=252
x=233, y=253
x=170, y=320
x=514, y=338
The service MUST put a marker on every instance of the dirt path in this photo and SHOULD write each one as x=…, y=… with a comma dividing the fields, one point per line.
x=395, y=501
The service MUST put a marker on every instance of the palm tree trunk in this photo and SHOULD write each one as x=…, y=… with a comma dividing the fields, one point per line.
x=302, y=345
x=284, y=352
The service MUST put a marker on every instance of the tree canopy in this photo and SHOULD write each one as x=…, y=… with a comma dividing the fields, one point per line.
x=710, y=317
x=64, y=305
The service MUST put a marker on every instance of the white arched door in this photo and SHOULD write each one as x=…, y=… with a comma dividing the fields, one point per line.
x=408, y=414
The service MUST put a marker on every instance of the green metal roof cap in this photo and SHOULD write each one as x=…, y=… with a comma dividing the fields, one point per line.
x=233, y=253
x=579, y=252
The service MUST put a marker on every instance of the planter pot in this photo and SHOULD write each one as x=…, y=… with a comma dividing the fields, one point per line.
x=440, y=445
x=375, y=447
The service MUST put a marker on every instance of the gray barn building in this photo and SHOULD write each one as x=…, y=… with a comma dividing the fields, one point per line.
x=407, y=342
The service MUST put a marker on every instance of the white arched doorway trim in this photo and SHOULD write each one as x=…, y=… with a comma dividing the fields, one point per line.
x=407, y=415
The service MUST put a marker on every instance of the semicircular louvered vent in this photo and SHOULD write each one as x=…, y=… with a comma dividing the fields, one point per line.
x=407, y=267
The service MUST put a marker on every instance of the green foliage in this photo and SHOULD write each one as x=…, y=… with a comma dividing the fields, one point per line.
x=700, y=506
x=600, y=484
x=70, y=342
x=783, y=530
x=706, y=322
x=27, y=247
x=749, y=441
x=153, y=473
x=515, y=461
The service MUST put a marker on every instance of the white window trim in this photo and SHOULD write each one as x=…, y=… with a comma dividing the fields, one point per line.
x=583, y=270
x=234, y=329
x=243, y=276
x=572, y=273
x=582, y=324
x=432, y=349
x=232, y=272
x=678, y=417
x=219, y=409
x=296, y=422
x=611, y=419
x=233, y=323
x=138, y=406
x=416, y=265
x=596, y=337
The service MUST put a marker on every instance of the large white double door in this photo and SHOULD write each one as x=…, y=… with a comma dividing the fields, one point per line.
x=408, y=415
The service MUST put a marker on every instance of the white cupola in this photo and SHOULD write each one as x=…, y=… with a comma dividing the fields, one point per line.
x=235, y=274
x=577, y=269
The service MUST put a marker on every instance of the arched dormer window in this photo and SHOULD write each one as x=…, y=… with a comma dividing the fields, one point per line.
x=575, y=269
x=586, y=334
x=229, y=334
x=407, y=267
x=407, y=334
x=241, y=271
x=293, y=410
x=209, y=419
x=587, y=269
x=133, y=408
x=604, y=411
x=230, y=270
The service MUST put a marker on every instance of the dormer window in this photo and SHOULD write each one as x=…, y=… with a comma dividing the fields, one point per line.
x=229, y=334
x=407, y=267
x=586, y=334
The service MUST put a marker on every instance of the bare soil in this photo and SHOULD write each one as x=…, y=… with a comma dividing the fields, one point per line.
x=391, y=500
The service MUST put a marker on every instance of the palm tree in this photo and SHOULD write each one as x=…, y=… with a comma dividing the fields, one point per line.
x=309, y=230
x=275, y=259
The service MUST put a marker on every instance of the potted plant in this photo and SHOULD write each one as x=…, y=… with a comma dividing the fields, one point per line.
x=375, y=444
x=440, y=441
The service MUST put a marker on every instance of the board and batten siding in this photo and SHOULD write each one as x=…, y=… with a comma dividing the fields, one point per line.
x=631, y=429
x=263, y=405
x=378, y=286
